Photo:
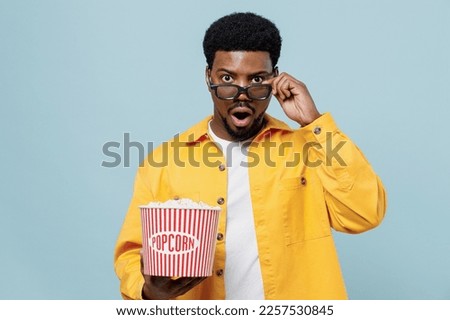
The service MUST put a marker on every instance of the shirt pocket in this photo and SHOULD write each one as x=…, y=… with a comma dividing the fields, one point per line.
x=303, y=209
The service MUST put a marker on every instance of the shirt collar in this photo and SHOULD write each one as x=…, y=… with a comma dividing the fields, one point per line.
x=199, y=132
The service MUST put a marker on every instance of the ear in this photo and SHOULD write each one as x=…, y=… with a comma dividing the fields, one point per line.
x=275, y=71
x=208, y=77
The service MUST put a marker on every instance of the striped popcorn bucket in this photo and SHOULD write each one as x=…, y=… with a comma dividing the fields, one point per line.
x=179, y=242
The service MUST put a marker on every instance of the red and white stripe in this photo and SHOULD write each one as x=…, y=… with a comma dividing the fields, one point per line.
x=201, y=224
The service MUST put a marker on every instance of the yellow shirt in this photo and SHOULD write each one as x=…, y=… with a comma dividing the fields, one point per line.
x=303, y=183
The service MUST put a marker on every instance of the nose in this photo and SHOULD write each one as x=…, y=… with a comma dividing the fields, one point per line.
x=243, y=95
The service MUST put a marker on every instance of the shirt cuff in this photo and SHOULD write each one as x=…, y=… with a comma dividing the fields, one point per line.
x=317, y=130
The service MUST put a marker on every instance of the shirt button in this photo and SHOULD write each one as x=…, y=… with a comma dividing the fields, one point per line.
x=220, y=236
x=303, y=181
x=219, y=272
x=317, y=130
x=222, y=167
x=221, y=200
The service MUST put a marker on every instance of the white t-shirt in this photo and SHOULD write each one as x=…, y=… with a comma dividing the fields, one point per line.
x=243, y=278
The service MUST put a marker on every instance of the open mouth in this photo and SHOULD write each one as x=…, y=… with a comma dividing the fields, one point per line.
x=241, y=117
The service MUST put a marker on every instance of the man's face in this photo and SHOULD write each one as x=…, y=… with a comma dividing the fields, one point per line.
x=241, y=118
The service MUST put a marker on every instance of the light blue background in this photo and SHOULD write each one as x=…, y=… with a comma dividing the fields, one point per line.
x=77, y=74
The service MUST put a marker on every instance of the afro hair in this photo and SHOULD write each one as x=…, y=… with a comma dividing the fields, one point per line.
x=242, y=32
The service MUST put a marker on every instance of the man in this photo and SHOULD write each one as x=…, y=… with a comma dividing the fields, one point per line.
x=281, y=190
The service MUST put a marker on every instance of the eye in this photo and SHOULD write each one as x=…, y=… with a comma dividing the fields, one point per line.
x=257, y=79
x=227, y=78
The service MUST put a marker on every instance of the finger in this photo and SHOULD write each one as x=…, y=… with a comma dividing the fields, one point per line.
x=187, y=284
x=161, y=282
x=186, y=281
x=270, y=81
x=286, y=87
x=197, y=280
x=274, y=82
x=158, y=287
x=170, y=283
x=283, y=88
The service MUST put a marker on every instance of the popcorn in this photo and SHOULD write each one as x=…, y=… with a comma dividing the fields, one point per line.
x=179, y=238
x=180, y=203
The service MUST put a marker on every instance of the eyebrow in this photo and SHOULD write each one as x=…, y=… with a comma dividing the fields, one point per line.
x=259, y=73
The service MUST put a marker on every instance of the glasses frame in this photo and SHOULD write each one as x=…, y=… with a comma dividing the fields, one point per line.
x=241, y=90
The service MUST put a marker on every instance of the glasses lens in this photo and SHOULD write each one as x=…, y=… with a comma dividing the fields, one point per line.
x=226, y=92
x=259, y=92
